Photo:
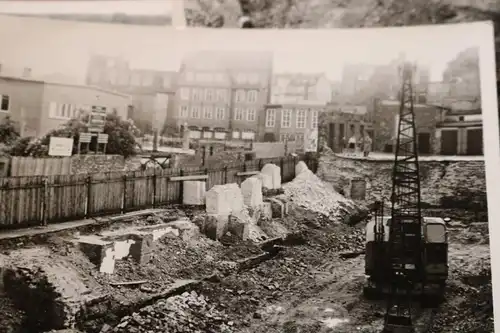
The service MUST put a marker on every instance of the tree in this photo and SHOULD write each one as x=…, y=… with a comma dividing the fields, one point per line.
x=9, y=131
x=121, y=138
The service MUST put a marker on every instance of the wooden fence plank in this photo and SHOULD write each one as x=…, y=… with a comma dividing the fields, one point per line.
x=69, y=197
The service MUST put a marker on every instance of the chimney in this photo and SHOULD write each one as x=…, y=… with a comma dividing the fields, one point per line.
x=26, y=72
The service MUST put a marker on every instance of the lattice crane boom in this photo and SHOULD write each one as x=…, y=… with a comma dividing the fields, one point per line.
x=404, y=250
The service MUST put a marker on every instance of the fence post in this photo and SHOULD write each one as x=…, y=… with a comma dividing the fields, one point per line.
x=294, y=164
x=45, y=202
x=206, y=183
x=260, y=164
x=154, y=188
x=225, y=174
x=124, y=205
x=89, y=193
x=181, y=187
x=281, y=168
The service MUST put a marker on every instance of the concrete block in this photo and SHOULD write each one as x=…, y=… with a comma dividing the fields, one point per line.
x=94, y=248
x=277, y=208
x=285, y=201
x=239, y=226
x=251, y=190
x=216, y=226
x=224, y=199
x=187, y=230
x=274, y=172
x=300, y=167
x=266, y=211
x=194, y=192
x=266, y=180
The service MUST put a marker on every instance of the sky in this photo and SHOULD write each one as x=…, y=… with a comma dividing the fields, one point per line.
x=49, y=46
x=141, y=7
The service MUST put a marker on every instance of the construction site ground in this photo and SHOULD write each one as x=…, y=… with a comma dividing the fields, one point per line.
x=310, y=283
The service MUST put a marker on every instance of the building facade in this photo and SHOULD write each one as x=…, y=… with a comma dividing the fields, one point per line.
x=343, y=122
x=462, y=75
x=152, y=91
x=222, y=92
x=40, y=106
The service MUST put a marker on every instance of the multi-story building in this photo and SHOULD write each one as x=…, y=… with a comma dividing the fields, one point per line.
x=222, y=92
x=296, y=101
x=462, y=75
x=40, y=106
x=152, y=91
x=345, y=121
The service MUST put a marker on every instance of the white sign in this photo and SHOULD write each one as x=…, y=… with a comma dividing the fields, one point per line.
x=60, y=146
x=311, y=144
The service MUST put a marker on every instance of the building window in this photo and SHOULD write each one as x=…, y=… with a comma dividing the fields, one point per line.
x=238, y=114
x=270, y=117
x=240, y=96
x=5, y=103
x=184, y=93
x=252, y=96
x=197, y=94
x=286, y=118
x=221, y=95
x=183, y=111
x=314, y=119
x=219, y=113
x=195, y=112
x=251, y=115
x=207, y=112
x=301, y=118
x=299, y=139
x=209, y=95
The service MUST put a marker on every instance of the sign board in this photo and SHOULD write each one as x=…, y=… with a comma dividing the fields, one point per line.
x=85, y=137
x=97, y=119
x=311, y=144
x=60, y=146
x=102, y=138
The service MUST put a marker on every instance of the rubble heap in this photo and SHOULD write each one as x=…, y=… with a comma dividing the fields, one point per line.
x=309, y=191
x=185, y=313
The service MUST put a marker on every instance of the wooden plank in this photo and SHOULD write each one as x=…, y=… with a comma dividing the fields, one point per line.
x=183, y=178
x=247, y=173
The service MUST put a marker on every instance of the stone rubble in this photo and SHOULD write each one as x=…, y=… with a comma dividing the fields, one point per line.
x=309, y=191
x=189, y=312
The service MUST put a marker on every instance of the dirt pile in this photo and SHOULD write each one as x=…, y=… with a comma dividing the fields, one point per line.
x=309, y=191
x=189, y=312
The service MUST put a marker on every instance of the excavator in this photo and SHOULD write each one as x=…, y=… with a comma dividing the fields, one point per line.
x=406, y=255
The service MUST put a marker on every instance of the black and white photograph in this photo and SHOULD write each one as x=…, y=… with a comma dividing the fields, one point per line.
x=155, y=179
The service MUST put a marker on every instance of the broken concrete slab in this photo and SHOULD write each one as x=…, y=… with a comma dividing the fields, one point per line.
x=251, y=190
x=278, y=208
x=300, y=167
x=224, y=199
x=266, y=180
x=261, y=212
x=137, y=242
x=239, y=226
x=274, y=172
x=193, y=192
x=216, y=225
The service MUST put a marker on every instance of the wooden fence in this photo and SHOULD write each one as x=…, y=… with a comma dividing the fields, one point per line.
x=30, y=166
x=39, y=200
